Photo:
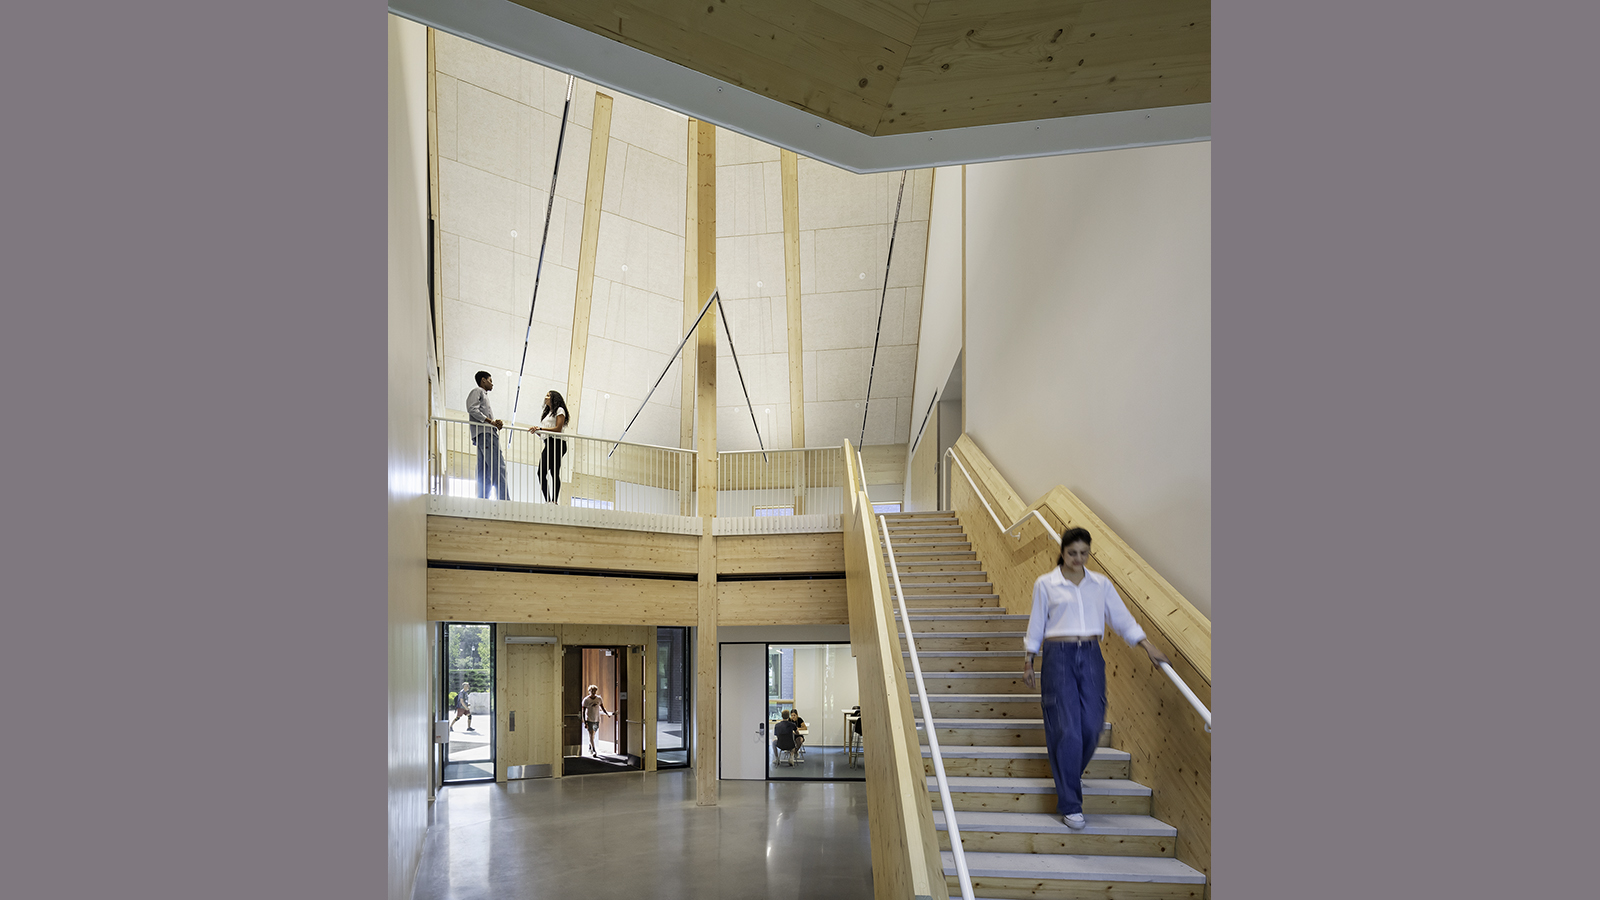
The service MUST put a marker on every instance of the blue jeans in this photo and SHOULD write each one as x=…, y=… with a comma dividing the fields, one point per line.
x=1073, y=695
x=491, y=466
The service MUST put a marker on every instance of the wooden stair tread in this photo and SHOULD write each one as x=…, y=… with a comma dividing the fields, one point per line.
x=1001, y=723
x=996, y=784
x=977, y=698
x=981, y=752
x=1049, y=823
x=1073, y=867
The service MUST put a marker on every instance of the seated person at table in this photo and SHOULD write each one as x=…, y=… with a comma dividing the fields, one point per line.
x=799, y=723
x=784, y=737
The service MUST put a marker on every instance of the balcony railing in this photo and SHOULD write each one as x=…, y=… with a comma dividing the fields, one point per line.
x=603, y=483
x=632, y=486
x=779, y=491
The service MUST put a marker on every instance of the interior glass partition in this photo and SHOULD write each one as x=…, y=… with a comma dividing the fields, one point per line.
x=819, y=682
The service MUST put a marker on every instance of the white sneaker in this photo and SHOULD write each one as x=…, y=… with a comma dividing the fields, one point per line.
x=1074, y=821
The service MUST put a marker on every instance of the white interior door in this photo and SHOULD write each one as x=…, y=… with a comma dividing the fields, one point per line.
x=742, y=713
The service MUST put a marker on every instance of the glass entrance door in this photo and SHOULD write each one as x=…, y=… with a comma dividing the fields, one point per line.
x=672, y=697
x=467, y=701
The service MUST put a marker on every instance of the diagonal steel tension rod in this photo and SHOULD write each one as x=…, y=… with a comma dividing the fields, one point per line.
x=538, y=268
x=723, y=312
x=716, y=298
x=670, y=360
x=867, y=403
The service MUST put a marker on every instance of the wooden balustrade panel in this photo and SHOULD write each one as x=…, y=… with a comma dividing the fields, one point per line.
x=803, y=601
x=763, y=554
x=905, y=850
x=468, y=595
x=456, y=539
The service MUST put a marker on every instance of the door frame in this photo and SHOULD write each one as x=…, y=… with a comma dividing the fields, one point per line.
x=444, y=689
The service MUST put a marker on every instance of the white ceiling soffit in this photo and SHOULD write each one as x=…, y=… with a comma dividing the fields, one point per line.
x=551, y=42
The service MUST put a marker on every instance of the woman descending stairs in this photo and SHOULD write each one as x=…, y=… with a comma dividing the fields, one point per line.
x=991, y=737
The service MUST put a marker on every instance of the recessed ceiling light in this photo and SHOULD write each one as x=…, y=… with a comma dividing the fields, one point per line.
x=513, y=234
x=608, y=396
x=758, y=284
x=862, y=276
x=624, y=268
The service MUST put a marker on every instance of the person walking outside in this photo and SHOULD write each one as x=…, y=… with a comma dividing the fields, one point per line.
x=1071, y=606
x=463, y=707
x=486, y=436
x=552, y=419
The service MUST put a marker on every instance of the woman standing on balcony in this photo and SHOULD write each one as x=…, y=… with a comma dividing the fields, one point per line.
x=552, y=419
x=1071, y=606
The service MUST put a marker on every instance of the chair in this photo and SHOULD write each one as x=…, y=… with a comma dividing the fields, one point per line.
x=855, y=742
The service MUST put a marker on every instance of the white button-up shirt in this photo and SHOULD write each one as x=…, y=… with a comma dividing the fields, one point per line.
x=1064, y=609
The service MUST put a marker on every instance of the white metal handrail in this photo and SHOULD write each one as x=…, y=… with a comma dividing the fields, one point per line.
x=567, y=435
x=927, y=721
x=1171, y=673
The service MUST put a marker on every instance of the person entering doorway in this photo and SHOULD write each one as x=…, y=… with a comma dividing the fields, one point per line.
x=593, y=707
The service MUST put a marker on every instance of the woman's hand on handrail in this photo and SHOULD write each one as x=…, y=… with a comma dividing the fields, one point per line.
x=1156, y=656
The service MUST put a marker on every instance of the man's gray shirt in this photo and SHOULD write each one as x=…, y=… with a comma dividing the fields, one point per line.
x=478, y=411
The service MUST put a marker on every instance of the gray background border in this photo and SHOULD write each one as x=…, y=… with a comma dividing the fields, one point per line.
x=1405, y=383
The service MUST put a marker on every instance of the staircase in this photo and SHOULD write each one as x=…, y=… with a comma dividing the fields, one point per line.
x=991, y=737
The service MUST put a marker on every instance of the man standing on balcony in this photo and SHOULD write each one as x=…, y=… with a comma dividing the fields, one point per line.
x=491, y=465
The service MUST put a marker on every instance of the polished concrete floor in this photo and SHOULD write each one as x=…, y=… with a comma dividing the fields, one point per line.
x=819, y=762
x=640, y=835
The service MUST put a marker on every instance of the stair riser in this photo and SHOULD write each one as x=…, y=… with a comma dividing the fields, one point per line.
x=1040, y=803
x=1088, y=844
x=906, y=540
x=915, y=580
x=981, y=684
x=990, y=737
x=903, y=556
x=1023, y=768
x=1033, y=889
x=932, y=664
x=917, y=592
x=921, y=626
x=1022, y=709
x=931, y=642
x=971, y=566
x=936, y=606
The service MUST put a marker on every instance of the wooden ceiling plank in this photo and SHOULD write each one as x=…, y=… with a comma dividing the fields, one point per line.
x=1047, y=60
x=837, y=52
x=898, y=19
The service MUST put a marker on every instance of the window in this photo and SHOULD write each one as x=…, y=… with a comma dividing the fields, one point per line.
x=886, y=507
x=586, y=503
x=774, y=510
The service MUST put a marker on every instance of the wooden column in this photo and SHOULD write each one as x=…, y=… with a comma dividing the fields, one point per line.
x=791, y=283
x=703, y=163
x=599, y=144
x=691, y=308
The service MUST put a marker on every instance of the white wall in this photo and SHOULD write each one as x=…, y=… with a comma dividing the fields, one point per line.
x=1089, y=340
x=825, y=683
x=940, y=342
x=409, y=740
